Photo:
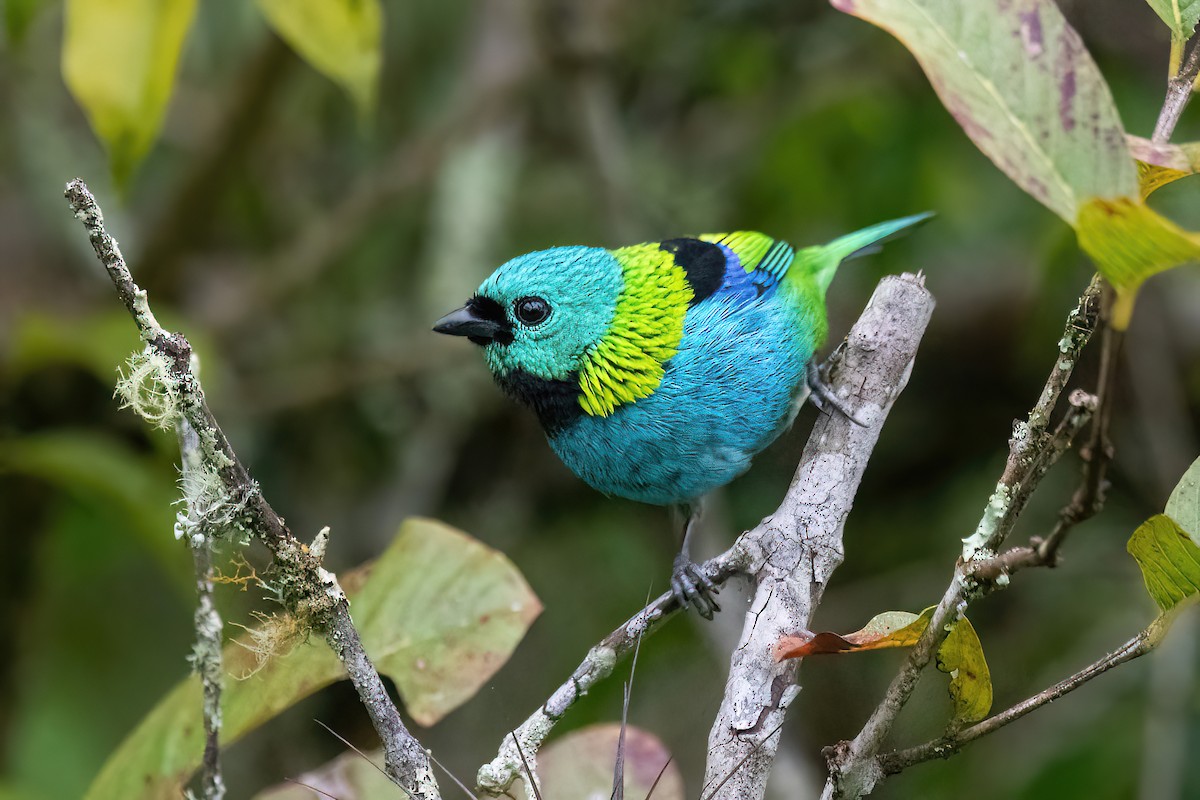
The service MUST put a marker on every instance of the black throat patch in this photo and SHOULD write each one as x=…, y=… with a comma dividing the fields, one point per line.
x=556, y=403
x=702, y=262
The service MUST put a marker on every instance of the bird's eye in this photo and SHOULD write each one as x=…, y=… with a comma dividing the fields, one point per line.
x=531, y=311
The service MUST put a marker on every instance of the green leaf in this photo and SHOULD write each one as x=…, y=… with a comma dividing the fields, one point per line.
x=960, y=656
x=1183, y=505
x=119, y=60
x=1129, y=242
x=1169, y=560
x=439, y=613
x=1018, y=79
x=341, y=39
x=347, y=777
x=580, y=765
x=1181, y=16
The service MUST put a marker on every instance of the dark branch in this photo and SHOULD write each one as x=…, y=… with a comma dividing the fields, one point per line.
x=308, y=590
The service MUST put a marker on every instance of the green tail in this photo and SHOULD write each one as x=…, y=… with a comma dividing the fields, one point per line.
x=819, y=263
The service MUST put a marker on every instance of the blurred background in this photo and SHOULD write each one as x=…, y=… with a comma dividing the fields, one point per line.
x=306, y=254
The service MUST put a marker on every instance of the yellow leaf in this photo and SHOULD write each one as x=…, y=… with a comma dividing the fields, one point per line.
x=960, y=656
x=1129, y=242
x=341, y=39
x=1152, y=177
x=1160, y=164
x=119, y=59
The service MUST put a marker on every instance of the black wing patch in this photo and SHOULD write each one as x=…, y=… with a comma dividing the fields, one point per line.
x=702, y=262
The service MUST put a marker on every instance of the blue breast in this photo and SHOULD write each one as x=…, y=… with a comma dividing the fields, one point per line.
x=727, y=393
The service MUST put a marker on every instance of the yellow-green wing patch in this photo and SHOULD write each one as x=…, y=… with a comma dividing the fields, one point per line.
x=647, y=325
x=756, y=251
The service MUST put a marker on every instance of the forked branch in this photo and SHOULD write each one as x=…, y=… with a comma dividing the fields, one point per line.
x=307, y=589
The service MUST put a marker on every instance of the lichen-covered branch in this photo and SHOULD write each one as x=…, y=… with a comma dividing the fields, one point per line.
x=497, y=776
x=206, y=654
x=163, y=387
x=797, y=548
x=1032, y=448
x=893, y=322
x=853, y=767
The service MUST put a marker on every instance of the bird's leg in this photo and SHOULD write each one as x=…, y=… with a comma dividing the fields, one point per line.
x=820, y=393
x=688, y=583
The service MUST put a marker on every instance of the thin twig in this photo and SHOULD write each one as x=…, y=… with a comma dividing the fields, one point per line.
x=1179, y=91
x=1089, y=497
x=206, y=655
x=311, y=788
x=307, y=588
x=496, y=776
x=452, y=776
x=1036, y=553
x=358, y=752
x=658, y=778
x=853, y=767
x=618, y=791
x=891, y=763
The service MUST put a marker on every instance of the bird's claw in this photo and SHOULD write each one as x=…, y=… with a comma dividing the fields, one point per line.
x=821, y=393
x=692, y=587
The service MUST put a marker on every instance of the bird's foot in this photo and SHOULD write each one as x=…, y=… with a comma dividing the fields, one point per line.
x=821, y=393
x=691, y=586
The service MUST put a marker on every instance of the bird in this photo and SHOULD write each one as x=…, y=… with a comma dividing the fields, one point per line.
x=659, y=370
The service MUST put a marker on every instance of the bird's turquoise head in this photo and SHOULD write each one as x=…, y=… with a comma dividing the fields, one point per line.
x=575, y=330
x=538, y=315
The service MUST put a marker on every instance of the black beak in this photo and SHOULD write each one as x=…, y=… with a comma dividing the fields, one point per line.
x=467, y=321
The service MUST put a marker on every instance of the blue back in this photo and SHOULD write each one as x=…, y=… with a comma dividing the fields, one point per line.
x=728, y=392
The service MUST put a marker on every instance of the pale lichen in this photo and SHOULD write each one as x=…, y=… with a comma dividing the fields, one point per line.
x=212, y=511
x=982, y=543
x=602, y=660
x=275, y=636
x=519, y=747
x=148, y=387
x=142, y=315
x=319, y=543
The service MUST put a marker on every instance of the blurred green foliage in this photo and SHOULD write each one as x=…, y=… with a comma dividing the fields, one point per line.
x=306, y=257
